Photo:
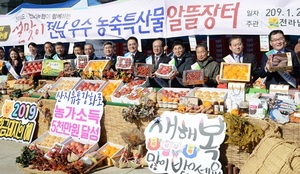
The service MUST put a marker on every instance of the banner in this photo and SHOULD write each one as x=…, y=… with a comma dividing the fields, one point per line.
x=17, y=121
x=150, y=19
x=184, y=143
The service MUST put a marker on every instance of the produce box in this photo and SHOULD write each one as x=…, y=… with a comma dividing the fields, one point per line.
x=209, y=94
x=43, y=87
x=124, y=63
x=82, y=61
x=164, y=71
x=48, y=139
x=96, y=67
x=24, y=84
x=52, y=67
x=113, y=151
x=32, y=68
x=143, y=70
x=235, y=72
x=170, y=97
x=136, y=96
x=193, y=77
x=64, y=83
x=110, y=87
x=91, y=85
x=281, y=61
x=80, y=148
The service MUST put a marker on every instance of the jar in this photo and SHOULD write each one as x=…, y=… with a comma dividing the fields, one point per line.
x=244, y=107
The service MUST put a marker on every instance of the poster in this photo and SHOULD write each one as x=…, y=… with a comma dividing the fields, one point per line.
x=184, y=143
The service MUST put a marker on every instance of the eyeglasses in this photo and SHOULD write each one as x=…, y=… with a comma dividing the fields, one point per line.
x=278, y=40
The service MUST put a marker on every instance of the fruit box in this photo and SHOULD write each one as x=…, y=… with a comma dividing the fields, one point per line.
x=169, y=101
x=48, y=139
x=64, y=83
x=92, y=146
x=124, y=62
x=281, y=61
x=32, y=68
x=113, y=85
x=91, y=85
x=164, y=73
x=114, y=158
x=143, y=70
x=97, y=67
x=209, y=94
x=235, y=72
x=193, y=77
x=82, y=61
x=130, y=99
x=52, y=67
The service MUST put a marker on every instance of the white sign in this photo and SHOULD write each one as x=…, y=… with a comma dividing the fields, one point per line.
x=184, y=143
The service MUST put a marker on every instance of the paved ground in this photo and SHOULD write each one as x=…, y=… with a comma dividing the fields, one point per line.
x=9, y=150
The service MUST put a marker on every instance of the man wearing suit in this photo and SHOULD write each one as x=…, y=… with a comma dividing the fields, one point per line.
x=132, y=46
x=108, y=48
x=278, y=42
x=33, y=53
x=236, y=46
x=89, y=50
x=60, y=52
x=155, y=59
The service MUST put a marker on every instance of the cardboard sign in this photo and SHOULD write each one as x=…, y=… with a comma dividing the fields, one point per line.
x=78, y=114
x=17, y=121
x=52, y=67
x=173, y=143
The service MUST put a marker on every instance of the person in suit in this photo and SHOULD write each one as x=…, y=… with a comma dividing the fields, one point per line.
x=155, y=59
x=236, y=46
x=90, y=51
x=108, y=48
x=33, y=52
x=14, y=64
x=132, y=46
x=182, y=61
x=60, y=52
x=278, y=43
x=210, y=67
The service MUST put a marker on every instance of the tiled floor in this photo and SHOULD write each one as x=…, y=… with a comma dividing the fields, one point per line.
x=9, y=150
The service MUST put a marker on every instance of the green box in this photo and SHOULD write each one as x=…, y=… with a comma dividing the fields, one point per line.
x=52, y=67
x=257, y=90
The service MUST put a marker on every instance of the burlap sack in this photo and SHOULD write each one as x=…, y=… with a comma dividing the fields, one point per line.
x=273, y=155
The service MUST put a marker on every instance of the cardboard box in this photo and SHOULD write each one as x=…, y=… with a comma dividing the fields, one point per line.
x=52, y=138
x=93, y=148
x=96, y=67
x=284, y=89
x=80, y=84
x=164, y=76
x=281, y=61
x=107, y=93
x=36, y=64
x=115, y=157
x=64, y=83
x=124, y=63
x=209, y=94
x=52, y=67
x=235, y=72
x=82, y=61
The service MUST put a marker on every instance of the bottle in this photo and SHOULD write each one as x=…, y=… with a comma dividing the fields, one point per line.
x=216, y=107
x=222, y=107
x=228, y=105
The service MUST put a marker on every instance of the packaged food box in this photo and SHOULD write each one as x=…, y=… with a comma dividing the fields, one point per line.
x=82, y=61
x=143, y=70
x=170, y=97
x=235, y=72
x=65, y=83
x=80, y=148
x=113, y=151
x=110, y=87
x=96, y=67
x=209, y=94
x=281, y=61
x=48, y=139
x=124, y=62
x=164, y=71
x=32, y=68
x=52, y=67
x=91, y=85
x=193, y=77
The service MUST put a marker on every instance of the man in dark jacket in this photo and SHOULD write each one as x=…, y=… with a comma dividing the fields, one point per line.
x=33, y=50
x=108, y=48
x=132, y=46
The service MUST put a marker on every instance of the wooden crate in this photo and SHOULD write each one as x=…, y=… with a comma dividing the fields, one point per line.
x=235, y=72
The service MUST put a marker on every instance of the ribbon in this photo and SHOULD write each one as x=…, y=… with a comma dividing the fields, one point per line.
x=11, y=70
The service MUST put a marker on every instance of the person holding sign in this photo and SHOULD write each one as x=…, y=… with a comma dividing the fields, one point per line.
x=204, y=61
x=181, y=61
x=278, y=43
x=14, y=64
x=132, y=46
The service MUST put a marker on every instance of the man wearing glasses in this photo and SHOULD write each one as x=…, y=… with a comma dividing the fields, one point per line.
x=278, y=43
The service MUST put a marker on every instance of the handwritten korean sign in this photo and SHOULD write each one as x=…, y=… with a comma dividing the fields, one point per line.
x=78, y=114
x=17, y=121
x=183, y=143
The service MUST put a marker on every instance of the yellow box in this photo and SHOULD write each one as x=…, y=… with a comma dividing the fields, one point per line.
x=235, y=72
x=97, y=67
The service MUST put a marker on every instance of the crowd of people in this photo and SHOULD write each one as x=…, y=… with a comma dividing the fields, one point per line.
x=181, y=59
